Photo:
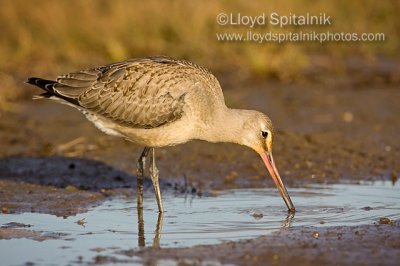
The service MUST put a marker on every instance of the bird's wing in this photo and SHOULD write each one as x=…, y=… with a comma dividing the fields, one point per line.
x=141, y=93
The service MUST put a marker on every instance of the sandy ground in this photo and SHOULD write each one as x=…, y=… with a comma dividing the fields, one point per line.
x=53, y=161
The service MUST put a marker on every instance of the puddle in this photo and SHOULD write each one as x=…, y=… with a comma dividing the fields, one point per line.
x=188, y=221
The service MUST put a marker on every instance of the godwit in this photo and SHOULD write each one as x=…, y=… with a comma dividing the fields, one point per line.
x=161, y=101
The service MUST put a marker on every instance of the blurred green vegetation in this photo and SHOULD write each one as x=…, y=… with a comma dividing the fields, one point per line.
x=49, y=37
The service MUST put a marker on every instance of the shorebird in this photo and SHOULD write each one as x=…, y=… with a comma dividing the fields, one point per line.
x=158, y=102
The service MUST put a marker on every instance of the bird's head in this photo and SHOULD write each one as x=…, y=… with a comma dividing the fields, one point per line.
x=258, y=134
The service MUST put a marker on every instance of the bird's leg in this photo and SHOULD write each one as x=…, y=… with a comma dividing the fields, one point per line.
x=140, y=172
x=154, y=178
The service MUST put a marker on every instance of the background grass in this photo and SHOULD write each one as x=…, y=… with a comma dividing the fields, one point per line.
x=49, y=37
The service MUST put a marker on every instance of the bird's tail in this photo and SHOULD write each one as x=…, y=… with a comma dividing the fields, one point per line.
x=46, y=85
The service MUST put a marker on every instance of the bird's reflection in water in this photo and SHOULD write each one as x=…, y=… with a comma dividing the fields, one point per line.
x=141, y=238
x=286, y=223
x=157, y=236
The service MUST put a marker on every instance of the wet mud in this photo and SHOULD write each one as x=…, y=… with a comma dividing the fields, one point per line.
x=53, y=161
x=353, y=245
x=19, y=230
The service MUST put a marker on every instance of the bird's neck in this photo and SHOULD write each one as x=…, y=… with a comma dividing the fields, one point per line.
x=227, y=126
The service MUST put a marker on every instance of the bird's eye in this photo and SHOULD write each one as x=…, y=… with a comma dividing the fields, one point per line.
x=264, y=133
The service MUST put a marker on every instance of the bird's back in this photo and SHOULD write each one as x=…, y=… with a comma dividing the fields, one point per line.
x=137, y=93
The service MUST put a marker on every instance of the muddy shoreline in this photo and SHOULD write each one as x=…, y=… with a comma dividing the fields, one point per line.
x=356, y=245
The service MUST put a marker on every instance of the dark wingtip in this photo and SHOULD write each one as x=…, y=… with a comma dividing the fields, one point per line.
x=41, y=83
x=47, y=85
x=31, y=80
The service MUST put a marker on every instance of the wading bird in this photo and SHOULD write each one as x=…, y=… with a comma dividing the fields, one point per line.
x=161, y=101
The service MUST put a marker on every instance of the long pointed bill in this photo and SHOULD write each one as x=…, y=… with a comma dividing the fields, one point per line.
x=270, y=164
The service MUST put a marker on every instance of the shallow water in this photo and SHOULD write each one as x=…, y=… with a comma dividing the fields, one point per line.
x=188, y=221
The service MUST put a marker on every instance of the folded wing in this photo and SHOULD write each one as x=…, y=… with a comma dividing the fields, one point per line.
x=143, y=93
